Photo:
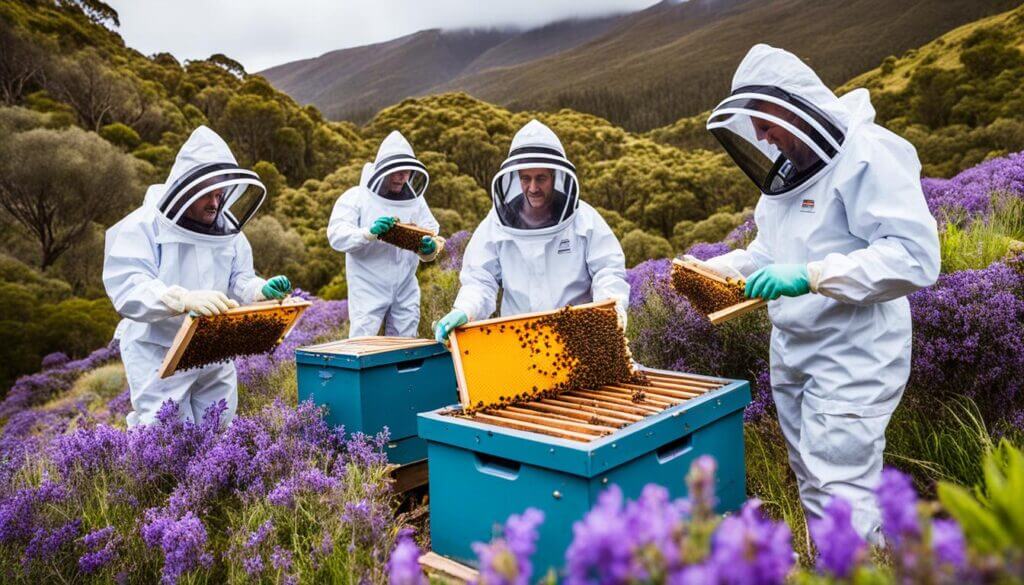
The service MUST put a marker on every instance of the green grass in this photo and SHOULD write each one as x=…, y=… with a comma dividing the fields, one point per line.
x=980, y=243
x=770, y=479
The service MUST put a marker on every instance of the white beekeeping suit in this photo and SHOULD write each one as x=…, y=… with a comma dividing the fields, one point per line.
x=842, y=203
x=158, y=264
x=573, y=259
x=382, y=278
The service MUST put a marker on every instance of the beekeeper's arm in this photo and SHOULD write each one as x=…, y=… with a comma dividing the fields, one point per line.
x=480, y=277
x=343, y=231
x=885, y=206
x=607, y=266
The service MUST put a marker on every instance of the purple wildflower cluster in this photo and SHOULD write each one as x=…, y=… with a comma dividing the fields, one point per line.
x=57, y=376
x=969, y=340
x=166, y=487
x=403, y=564
x=506, y=559
x=969, y=194
x=454, y=249
x=660, y=541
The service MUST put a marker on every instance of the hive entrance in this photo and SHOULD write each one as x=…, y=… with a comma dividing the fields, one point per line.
x=721, y=299
x=248, y=330
x=586, y=414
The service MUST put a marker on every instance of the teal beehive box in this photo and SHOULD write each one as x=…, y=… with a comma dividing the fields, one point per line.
x=557, y=454
x=369, y=383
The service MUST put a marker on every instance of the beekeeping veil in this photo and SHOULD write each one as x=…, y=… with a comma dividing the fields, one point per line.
x=535, y=146
x=395, y=154
x=205, y=165
x=781, y=125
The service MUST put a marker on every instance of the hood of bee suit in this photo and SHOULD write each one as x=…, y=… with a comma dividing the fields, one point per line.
x=535, y=146
x=774, y=88
x=395, y=154
x=205, y=165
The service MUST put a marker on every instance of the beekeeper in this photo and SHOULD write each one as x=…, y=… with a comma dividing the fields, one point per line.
x=843, y=235
x=183, y=251
x=541, y=245
x=382, y=285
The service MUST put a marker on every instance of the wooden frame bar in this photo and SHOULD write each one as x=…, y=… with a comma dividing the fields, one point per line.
x=291, y=307
x=728, y=313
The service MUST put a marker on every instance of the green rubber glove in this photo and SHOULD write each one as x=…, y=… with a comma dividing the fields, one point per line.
x=383, y=224
x=277, y=287
x=776, y=280
x=427, y=246
x=450, y=321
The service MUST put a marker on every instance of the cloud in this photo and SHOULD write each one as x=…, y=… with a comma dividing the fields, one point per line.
x=263, y=33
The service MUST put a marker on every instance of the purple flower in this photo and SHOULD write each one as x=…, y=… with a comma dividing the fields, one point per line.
x=55, y=359
x=840, y=548
x=706, y=251
x=969, y=194
x=454, y=248
x=700, y=482
x=601, y=548
x=102, y=546
x=182, y=541
x=898, y=502
x=749, y=550
x=403, y=564
x=506, y=560
x=948, y=544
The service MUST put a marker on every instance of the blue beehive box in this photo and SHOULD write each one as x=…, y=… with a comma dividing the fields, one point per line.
x=481, y=472
x=368, y=383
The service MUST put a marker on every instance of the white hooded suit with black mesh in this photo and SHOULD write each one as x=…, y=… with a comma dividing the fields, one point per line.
x=382, y=285
x=574, y=260
x=152, y=259
x=847, y=203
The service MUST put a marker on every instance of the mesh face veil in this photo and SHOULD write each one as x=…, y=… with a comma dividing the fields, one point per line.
x=239, y=194
x=779, y=140
x=507, y=190
x=418, y=176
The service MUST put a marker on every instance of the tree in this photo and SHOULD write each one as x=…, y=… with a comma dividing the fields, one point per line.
x=22, y=64
x=94, y=91
x=56, y=183
x=639, y=245
x=97, y=11
x=251, y=123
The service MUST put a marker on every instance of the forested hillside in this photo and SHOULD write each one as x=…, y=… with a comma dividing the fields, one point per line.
x=639, y=70
x=77, y=100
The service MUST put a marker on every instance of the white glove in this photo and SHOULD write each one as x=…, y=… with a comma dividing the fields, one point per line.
x=203, y=302
x=620, y=314
x=208, y=302
x=720, y=268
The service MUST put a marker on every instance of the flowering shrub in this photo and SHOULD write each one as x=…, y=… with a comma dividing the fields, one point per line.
x=969, y=194
x=969, y=340
x=657, y=540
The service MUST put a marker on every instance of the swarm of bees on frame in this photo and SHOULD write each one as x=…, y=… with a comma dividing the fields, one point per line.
x=403, y=237
x=594, y=353
x=221, y=339
x=707, y=295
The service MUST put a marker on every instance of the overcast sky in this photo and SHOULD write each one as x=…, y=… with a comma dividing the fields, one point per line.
x=263, y=33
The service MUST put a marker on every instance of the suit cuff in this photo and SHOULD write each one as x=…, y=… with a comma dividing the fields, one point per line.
x=814, y=274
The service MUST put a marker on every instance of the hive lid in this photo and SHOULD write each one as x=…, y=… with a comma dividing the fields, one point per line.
x=363, y=352
x=195, y=331
x=493, y=363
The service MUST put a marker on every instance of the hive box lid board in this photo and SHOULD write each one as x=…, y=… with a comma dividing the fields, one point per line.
x=594, y=457
x=333, y=354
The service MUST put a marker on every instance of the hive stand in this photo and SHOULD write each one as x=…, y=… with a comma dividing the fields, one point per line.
x=485, y=361
x=290, y=309
x=728, y=313
x=447, y=570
